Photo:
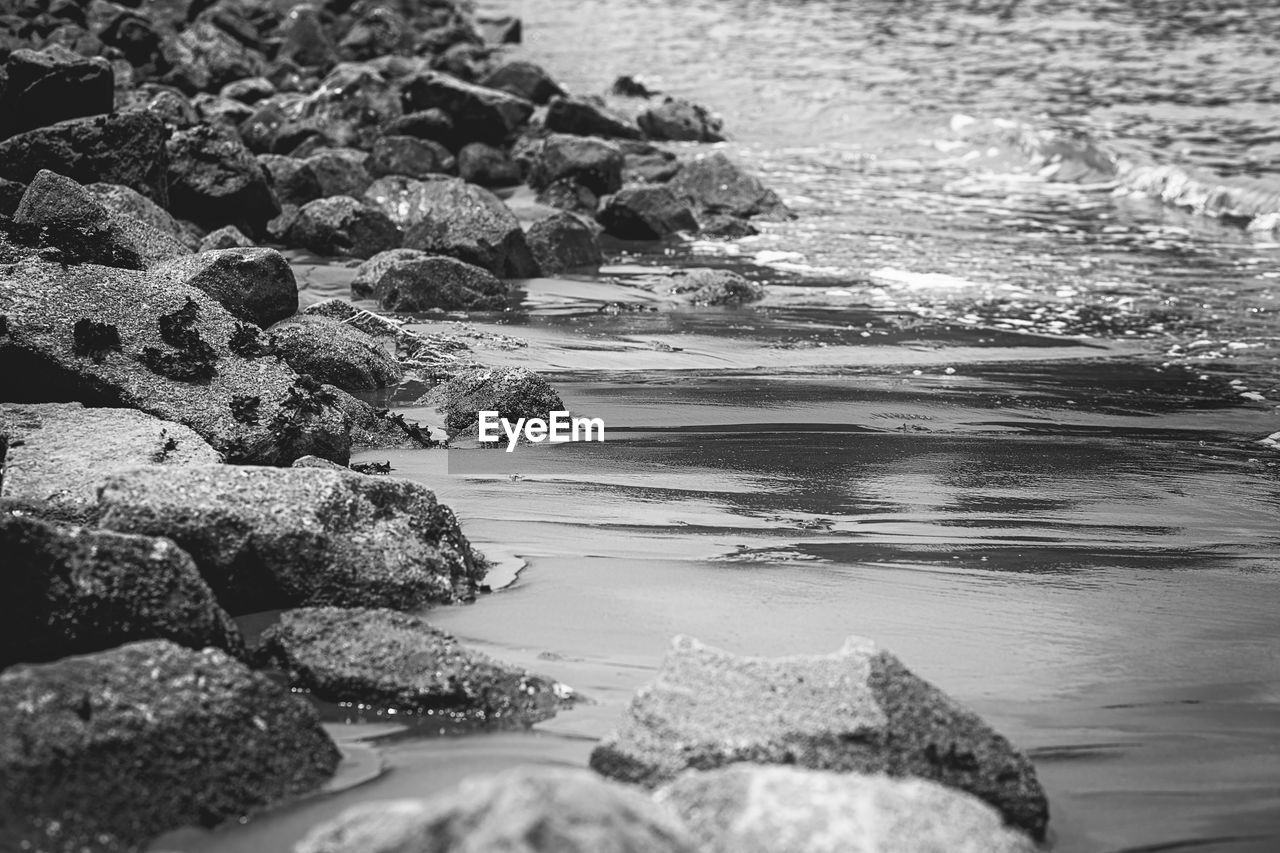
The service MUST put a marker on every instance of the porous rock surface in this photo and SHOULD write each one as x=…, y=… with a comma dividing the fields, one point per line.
x=335, y=353
x=513, y=392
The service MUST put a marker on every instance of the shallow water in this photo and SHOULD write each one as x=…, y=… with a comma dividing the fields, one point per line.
x=998, y=412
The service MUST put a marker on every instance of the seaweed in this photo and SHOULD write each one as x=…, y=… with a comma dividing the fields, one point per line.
x=248, y=341
x=91, y=339
x=411, y=429
x=305, y=397
x=177, y=328
x=245, y=408
x=195, y=360
x=371, y=467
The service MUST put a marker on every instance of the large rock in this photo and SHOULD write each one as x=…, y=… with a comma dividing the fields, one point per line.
x=526, y=810
x=524, y=80
x=433, y=124
x=293, y=179
x=126, y=201
x=593, y=163
x=113, y=337
x=713, y=184
x=709, y=286
x=71, y=590
x=408, y=155
x=123, y=148
x=397, y=661
x=513, y=392
x=340, y=171
x=588, y=117
x=303, y=38
x=749, y=808
x=267, y=538
x=425, y=282
x=211, y=58
x=214, y=180
x=335, y=353
x=479, y=114
x=226, y=237
x=646, y=213
x=487, y=165
x=678, y=119
x=857, y=710
x=344, y=227
x=50, y=85
x=106, y=751
x=455, y=218
x=562, y=242
x=256, y=285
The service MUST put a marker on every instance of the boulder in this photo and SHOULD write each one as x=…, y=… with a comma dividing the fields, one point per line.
x=72, y=590
x=856, y=710
x=525, y=810
x=433, y=124
x=479, y=163
x=706, y=286
x=588, y=117
x=378, y=32
x=426, y=282
x=107, y=751
x=390, y=660
x=679, y=120
x=268, y=538
x=303, y=39
x=210, y=58
x=524, y=80
x=647, y=164
x=410, y=156
x=214, y=181
x=114, y=337
x=47, y=86
x=226, y=237
x=512, y=392
x=335, y=353
x=563, y=242
x=455, y=218
x=593, y=163
x=294, y=180
x=480, y=114
x=256, y=285
x=344, y=227
x=749, y=808
x=713, y=184
x=724, y=227
x=340, y=171
x=125, y=201
x=646, y=213
x=369, y=272
x=569, y=195
x=123, y=148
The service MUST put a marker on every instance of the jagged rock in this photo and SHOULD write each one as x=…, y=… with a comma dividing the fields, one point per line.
x=108, y=750
x=563, y=242
x=706, y=286
x=340, y=171
x=584, y=117
x=593, y=163
x=433, y=124
x=114, y=337
x=379, y=32
x=385, y=659
x=856, y=710
x=646, y=213
x=748, y=808
x=214, y=180
x=256, y=285
x=412, y=280
x=369, y=272
x=525, y=810
x=487, y=166
x=524, y=80
x=303, y=38
x=410, y=156
x=267, y=538
x=293, y=180
x=59, y=452
x=455, y=218
x=568, y=195
x=678, y=119
x=50, y=85
x=172, y=108
x=351, y=104
x=335, y=353
x=71, y=590
x=647, y=164
x=125, y=201
x=123, y=148
x=713, y=184
x=343, y=226
x=512, y=392
x=210, y=58
x=227, y=237
x=480, y=114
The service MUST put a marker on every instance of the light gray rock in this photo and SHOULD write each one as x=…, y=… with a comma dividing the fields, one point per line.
x=512, y=392
x=227, y=237
x=335, y=353
x=467, y=222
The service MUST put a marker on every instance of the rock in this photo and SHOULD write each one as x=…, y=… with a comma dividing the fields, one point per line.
x=397, y=661
x=71, y=590
x=563, y=242
x=512, y=392
x=378, y=32
x=410, y=156
x=455, y=218
x=172, y=108
x=303, y=39
x=57, y=453
x=342, y=226
x=433, y=124
x=723, y=227
x=593, y=163
x=480, y=114
x=340, y=171
x=268, y=538
x=134, y=36
x=124, y=201
x=381, y=428
x=256, y=285
x=123, y=148
x=293, y=180
x=504, y=29
x=114, y=337
x=706, y=286
x=571, y=196
x=714, y=185
x=227, y=237
x=211, y=58
x=681, y=120
x=748, y=808
x=646, y=213
x=487, y=166
x=418, y=281
x=524, y=80
x=108, y=750
x=369, y=272
x=629, y=87
x=584, y=117
x=352, y=104
x=647, y=164
x=50, y=85
x=857, y=710
x=335, y=353
x=214, y=180
x=525, y=810
x=249, y=90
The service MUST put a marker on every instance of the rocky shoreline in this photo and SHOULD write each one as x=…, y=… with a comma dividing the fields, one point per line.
x=175, y=436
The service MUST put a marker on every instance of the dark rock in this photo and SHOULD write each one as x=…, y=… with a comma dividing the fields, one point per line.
x=214, y=180
x=753, y=807
x=504, y=29
x=108, y=750
x=629, y=87
x=524, y=80
x=856, y=710
x=647, y=164
x=464, y=61
x=70, y=590
x=113, y=337
x=11, y=193
x=646, y=213
x=124, y=201
x=250, y=90
x=209, y=58
x=340, y=171
x=470, y=223
x=480, y=114
x=563, y=242
x=433, y=124
x=714, y=185
x=351, y=105
x=528, y=809
x=379, y=32
x=224, y=114
x=392, y=660
x=409, y=156
x=134, y=36
x=425, y=282
x=513, y=392
x=571, y=196
x=342, y=226
x=584, y=117
x=381, y=428
x=303, y=39
x=593, y=163
x=267, y=538
x=335, y=353
x=368, y=273
x=260, y=130
x=724, y=227
x=227, y=237
x=256, y=285
x=487, y=166
x=293, y=180
x=51, y=85
x=124, y=148
x=681, y=120
x=173, y=109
